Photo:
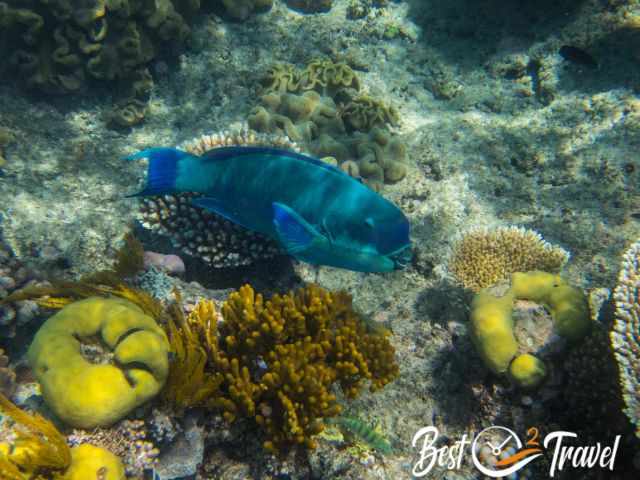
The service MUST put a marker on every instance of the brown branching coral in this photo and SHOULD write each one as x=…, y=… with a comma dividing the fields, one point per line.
x=483, y=257
x=276, y=361
x=35, y=447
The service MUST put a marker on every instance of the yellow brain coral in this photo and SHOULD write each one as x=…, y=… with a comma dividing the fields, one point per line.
x=98, y=359
x=483, y=257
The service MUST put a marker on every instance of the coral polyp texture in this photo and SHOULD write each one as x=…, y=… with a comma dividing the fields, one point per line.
x=128, y=440
x=14, y=276
x=203, y=234
x=276, y=361
x=321, y=108
x=97, y=359
x=625, y=337
x=483, y=257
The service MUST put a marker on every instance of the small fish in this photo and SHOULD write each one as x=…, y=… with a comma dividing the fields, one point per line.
x=577, y=55
x=316, y=212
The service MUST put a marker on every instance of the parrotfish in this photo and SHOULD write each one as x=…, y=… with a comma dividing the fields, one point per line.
x=316, y=212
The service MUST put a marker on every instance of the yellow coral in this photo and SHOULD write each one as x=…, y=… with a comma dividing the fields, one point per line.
x=85, y=394
x=492, y=323
x=482, y=257
x=34, y=446
x=90, y=462
x=278, y=359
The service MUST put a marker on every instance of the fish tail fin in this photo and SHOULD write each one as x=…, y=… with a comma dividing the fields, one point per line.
x=162, y=174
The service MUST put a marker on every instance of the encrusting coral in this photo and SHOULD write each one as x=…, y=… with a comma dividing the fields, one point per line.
x=276, y=361
x=88, y=392
x=483, y=257
x=625, y=337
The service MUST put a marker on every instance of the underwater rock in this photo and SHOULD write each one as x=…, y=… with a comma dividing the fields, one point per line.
x=310, y=6
x=185, y=454
x=7, y=376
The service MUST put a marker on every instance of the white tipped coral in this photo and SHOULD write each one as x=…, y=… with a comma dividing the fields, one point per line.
x=625, y=337
x=482, y=257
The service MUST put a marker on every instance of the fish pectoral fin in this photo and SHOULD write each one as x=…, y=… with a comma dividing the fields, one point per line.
x=294, y=232
x=213, y=205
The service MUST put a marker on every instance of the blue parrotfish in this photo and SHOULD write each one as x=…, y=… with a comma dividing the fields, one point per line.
x=316, y=212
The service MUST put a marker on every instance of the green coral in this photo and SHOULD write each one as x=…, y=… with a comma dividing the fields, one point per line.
x=276, y=361
x=365, y=112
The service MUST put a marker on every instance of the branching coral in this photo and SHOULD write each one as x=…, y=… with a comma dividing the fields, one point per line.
x=626, y=337
x=276, y=361
x=483, y=257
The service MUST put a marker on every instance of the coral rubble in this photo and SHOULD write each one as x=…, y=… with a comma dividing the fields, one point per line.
x=626, y=337
x=276, y=361
x=483, y=257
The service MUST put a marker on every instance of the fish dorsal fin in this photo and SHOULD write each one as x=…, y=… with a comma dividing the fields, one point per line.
x=212, y=205
x=294, y=232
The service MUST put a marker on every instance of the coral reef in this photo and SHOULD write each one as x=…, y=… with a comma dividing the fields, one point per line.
x=89, y=392
x=625, y=337
x=128, y=440
x=203, y=234
x=276, y=361
x=483, y=257
x=492, y=324
x=59, y=46
x=33, y=446
x=14, y=276
x=310, y=6
x=320, y=107
x=7, y=376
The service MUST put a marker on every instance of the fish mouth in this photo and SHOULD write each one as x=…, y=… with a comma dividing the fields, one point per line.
x=402, y=257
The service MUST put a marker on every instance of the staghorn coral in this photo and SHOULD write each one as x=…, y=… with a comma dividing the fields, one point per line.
x=13, y=276
x=32, y=447
x=625, y=336
x=128, y=440
x=7, y=376
x=483, y=257
x=276, y=361
x=203, y=234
